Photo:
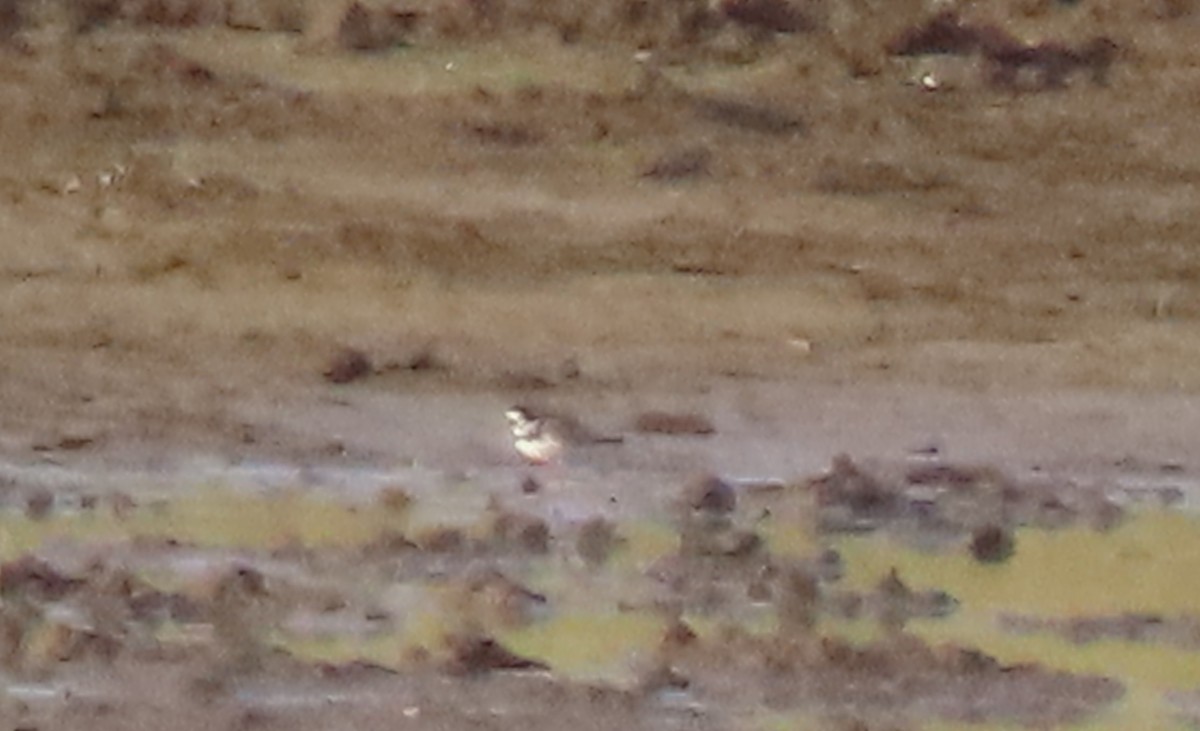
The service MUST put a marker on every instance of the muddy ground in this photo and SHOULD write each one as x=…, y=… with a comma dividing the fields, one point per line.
x=339, y=241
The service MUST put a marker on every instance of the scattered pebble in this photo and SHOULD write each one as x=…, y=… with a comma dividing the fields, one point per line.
x=395, y=500
x=711, y=494
x=442, y=539
x=348, y=365
x=992, y=544
x=530, y=485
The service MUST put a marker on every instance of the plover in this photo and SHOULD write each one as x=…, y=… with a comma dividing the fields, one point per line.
x=542, y=438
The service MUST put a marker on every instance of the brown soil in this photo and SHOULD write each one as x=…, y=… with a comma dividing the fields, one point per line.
x=732, y=228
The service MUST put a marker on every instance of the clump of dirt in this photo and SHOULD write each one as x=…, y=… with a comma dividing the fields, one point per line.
x=750, y=116
x=596, y=541
x=513, y=530
x=992, y=544
x=677, y=165
x=772, y=16
x=371, y=29
x=1179, y=631
x=349, y=364
x=723, y=565
x=832, y=677
x=1008, y=62
x=797, y=667
x=442, y=539
x=892, y=603
x=486, y=599
x=672, y=423
x=35, y=579
x=38, y=504
x=710, y=495
x=472, y=655
x=395, y=499
x=954, y=502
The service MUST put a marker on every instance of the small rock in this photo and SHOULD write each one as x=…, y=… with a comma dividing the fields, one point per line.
x=596, y=541
x=1107, y=515
x=663, y=677
x=711, y=494
x=348, y=365
x=992, y=544
x=72, y=442
x=569, y=369
x=678, y=634
x=829, y=565
x=520, y=531
x=395, y=500
x=442, y=539
x=424, y=359
x=530, y=485
x=241, y=584
x=692, y=162
x=797, y=597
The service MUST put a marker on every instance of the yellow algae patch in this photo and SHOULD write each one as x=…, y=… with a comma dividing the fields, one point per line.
x=218, y=517
x=609, y=646
x=785, y=539
x=426, y=624
x=1142, y=565
x=1149, y=664
x=790, y=530
x=387, y=650
x=20, y=535
x=461, y=505
x=210, y=516
x=429, y=625
x=643, y=543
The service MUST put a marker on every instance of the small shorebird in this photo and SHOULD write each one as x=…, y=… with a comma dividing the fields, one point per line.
x=542, y=438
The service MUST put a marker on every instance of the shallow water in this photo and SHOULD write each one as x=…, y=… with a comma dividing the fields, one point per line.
x=1143, y=565
x=1146, y=564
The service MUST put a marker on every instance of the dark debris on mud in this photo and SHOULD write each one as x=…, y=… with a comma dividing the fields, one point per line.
x=58, y=618
x=1181, y=631
x=901, y=678
x=953, y=503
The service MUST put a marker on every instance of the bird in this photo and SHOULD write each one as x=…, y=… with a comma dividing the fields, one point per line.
x=543, y=438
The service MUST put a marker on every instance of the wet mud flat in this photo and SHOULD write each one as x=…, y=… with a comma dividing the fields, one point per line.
x=867, y=595
x=272, y=271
